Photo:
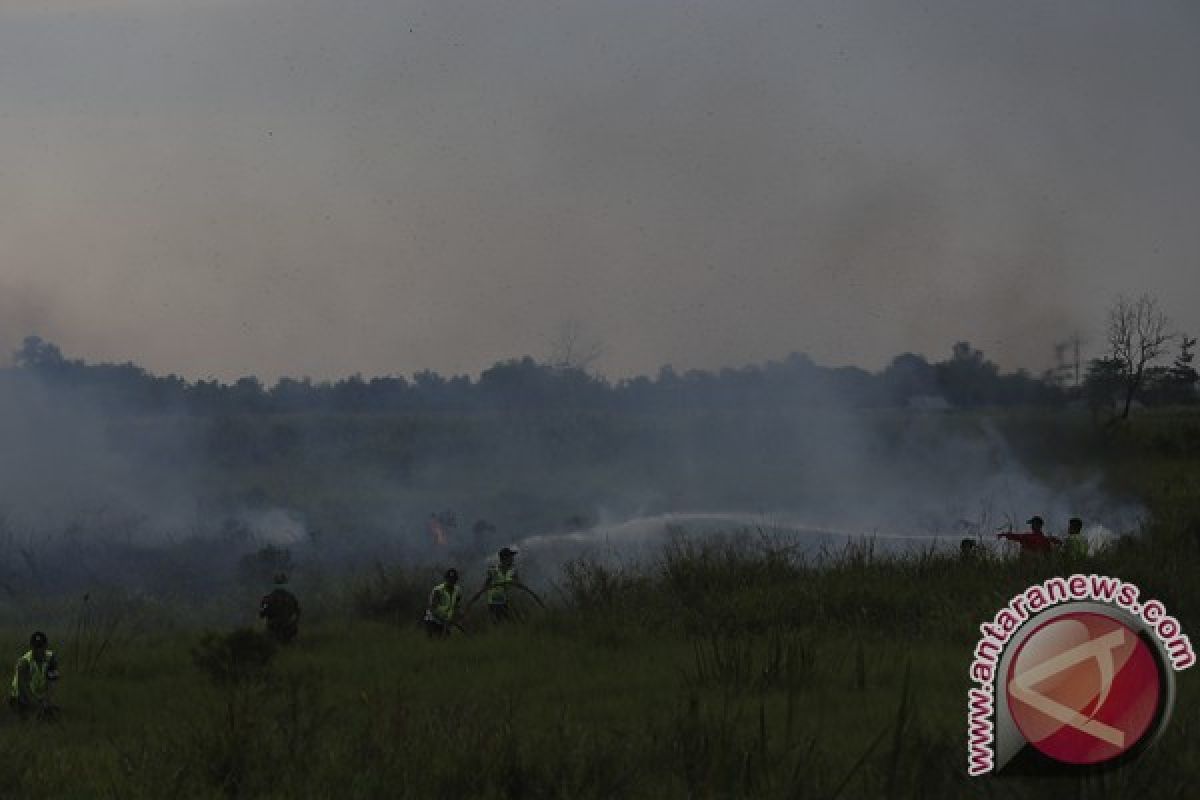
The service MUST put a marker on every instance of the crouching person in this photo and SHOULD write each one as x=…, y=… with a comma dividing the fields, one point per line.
x=35, y=672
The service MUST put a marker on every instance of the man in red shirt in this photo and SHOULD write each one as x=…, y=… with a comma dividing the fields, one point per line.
x=1035, y=541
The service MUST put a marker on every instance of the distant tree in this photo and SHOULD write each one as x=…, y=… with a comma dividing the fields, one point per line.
x=1102, y=383
x=572, y=348
x=430, y=389
x=1183, y=375
x=517, y=384
x=166, y=393
x=967, y=379
x=36, y=353
x=909, y=376
x=290, y=395
x=206, y=397
x=351, y=395
x=247, y=396
x=428, y=381
x=1175, y=384
x=388, y=393
x=1137, y=338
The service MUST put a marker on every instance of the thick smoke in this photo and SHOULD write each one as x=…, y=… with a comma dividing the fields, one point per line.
x=170, y=504
x=63, y=458
x=903, y=482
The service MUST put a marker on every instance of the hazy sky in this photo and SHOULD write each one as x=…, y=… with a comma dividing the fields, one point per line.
x=322, y=187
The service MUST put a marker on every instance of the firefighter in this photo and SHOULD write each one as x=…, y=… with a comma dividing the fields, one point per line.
x=444, y=603
x=501, y=576
x=34, y=673
x=281, y=610
x=1076, y=546
x=967, y=549
x=1035, y=541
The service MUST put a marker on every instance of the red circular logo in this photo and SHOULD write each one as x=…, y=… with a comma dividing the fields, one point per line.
x=1084, y=688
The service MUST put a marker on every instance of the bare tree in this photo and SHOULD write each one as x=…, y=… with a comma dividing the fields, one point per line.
x=572, y=348
x=1137, y=337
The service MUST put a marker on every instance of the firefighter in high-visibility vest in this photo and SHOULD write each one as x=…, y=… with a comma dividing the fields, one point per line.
x=1076, y=545
x=444, y=603
x=34, y=673
x=500, y=577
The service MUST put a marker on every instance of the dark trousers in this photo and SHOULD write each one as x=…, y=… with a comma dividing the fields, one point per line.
x=26, y=709
x=283, y=631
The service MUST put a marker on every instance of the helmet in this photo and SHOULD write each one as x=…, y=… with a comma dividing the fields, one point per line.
x=38, y=639
x=507, y=552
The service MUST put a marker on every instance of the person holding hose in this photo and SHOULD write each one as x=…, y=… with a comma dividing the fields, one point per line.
x=1035, y=541
x=444, y=603
x=500, y=577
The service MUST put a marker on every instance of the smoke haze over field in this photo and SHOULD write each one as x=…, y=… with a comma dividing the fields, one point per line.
x=316, y=187
x=61, y=465
x=173, y=503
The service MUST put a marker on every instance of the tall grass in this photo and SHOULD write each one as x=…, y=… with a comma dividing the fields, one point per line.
x=805, y=689
x=732, y=669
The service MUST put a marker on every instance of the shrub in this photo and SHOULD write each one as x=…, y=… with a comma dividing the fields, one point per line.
x=240, y=657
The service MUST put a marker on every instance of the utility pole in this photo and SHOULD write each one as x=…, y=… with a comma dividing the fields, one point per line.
x=1076, y=343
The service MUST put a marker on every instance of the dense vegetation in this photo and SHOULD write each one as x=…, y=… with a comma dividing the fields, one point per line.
x=967, y=379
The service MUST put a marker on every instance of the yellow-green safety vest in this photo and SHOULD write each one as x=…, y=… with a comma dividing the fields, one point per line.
x=1076, y=546
x=38, y=683
x=498, y=581
x=444, y=602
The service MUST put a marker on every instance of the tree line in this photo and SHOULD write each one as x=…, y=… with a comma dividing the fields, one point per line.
x=1130, y=372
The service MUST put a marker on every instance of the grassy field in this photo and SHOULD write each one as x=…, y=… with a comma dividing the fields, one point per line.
x=732, y=669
